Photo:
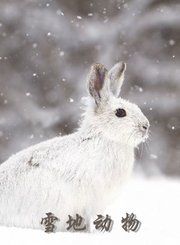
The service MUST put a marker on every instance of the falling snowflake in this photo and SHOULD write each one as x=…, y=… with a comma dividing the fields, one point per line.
x=171, y=42
x=34, y=45
x=59, y=12
x=79, y=17
x=71, y=100
x=61, y=53
x=28, y=94
x=31, y=136
x=153, y=156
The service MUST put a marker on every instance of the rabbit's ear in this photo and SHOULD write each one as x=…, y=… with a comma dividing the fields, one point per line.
x=116, y=75
x=98, y=83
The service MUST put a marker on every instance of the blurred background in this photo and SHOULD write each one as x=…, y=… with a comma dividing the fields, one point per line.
x=46, y=49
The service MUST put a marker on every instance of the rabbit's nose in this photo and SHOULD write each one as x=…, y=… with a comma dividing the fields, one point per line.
x=145, y=126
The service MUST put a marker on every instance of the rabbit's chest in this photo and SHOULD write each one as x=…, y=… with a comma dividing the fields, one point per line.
x=108, y=177
x=114, y=168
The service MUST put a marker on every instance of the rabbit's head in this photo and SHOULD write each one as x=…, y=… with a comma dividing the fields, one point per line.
x=112, y=116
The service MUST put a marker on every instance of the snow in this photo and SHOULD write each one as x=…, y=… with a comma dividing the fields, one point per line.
x=171, y=42
x=47, y=50
x=154, y=201
x=59, y=12
x=61, y=53
x=34, y=45
x=71, y=100
x=79, y=17
x=153, y=156
x=31, y=136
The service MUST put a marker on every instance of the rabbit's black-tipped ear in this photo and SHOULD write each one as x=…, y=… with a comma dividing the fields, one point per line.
x=116, y=75
x=98, y=83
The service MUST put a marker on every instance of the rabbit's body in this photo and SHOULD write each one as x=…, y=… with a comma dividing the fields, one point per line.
x=50, y=177
x=74, y=174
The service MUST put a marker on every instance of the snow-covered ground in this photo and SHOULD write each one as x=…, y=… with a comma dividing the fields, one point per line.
x=155, y=202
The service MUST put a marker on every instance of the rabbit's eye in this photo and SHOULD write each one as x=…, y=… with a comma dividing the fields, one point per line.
x=120, y=113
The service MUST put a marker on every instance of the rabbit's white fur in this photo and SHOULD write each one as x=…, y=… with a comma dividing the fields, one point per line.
x=78, y=173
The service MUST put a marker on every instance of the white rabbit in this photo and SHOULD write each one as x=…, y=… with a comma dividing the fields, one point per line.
x=79, y=173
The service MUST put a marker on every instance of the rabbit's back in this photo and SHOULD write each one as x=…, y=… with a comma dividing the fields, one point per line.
x=41, y=155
